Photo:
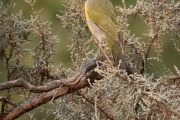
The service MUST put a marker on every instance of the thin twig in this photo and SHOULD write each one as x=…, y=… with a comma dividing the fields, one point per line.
x=7, y=101
x=103, y=108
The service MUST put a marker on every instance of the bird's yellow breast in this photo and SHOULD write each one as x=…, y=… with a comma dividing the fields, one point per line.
x=94, y=28
x=87, y=16
x=86, y=13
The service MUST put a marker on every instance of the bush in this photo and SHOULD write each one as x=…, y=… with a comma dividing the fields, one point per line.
x=88, y=90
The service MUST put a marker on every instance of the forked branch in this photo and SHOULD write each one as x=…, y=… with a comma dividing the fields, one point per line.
x=51, y=90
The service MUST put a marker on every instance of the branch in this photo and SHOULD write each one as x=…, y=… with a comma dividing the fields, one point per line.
x=54, y=89
x=7, y=101
x=46, y=97
x=149, y=48
x=160, y=104
x=102, y=107
x=36, y=89
x=171, y=81
x=64, y=87
x=89, y=65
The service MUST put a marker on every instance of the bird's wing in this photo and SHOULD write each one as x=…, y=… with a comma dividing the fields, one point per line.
x=102, y=13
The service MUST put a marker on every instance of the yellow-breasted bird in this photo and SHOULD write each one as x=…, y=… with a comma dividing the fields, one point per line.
x=101, y=20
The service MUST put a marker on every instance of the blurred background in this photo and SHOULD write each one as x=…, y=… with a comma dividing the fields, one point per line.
x=50, y=8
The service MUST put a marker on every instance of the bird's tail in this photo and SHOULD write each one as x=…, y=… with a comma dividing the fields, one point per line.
x=117, y=52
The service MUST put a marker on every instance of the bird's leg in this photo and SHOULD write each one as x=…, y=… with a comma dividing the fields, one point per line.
x=96, y=56
x=97, y=53
x=100, y=47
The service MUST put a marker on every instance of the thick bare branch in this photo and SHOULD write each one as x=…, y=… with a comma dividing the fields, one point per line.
x=62, y=88
x=46, y=97
x=22, y=83
x=89, y=65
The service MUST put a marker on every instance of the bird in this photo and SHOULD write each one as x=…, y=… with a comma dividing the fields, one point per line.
x=101, y=19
